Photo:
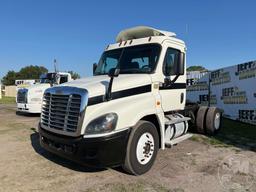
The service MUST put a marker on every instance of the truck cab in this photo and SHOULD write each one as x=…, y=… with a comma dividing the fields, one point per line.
x=133, y=105
x=29, y=99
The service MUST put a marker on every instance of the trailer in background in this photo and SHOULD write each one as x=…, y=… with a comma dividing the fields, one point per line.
x=231, y=88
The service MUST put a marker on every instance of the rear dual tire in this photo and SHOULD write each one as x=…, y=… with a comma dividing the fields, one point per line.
x=213, y=121
x=200, y=119
x=208, y=120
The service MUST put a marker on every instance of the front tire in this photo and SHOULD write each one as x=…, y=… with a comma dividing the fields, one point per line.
x=142, y=148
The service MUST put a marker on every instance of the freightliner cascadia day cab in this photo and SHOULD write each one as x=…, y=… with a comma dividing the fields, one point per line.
x=29, y=100
x=134, y=105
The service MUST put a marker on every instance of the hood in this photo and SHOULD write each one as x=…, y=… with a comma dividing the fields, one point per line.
x=97, y=85
x=38, y=87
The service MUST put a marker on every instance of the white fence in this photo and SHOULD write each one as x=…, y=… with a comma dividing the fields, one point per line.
x=10, y=91
x=232, y=89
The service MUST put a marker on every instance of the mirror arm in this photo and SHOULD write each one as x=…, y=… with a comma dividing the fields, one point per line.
x=94, y=67
x=175, y=79
x=168, y=82
x=109, y=91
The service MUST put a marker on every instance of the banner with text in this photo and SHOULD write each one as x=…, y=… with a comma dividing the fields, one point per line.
x=232, y=89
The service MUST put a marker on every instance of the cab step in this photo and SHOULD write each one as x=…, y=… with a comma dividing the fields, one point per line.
x=178, y=140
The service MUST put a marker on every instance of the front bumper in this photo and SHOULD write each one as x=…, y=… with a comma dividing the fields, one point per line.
x=107, y=151
x=29, y=108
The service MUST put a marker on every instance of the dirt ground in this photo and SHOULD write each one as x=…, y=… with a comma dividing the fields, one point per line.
x=191, y=166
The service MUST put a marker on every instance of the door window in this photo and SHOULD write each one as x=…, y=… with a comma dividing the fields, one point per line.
x=63, y=79
x=171, y=61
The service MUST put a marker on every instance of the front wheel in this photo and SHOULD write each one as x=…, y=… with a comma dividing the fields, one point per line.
x=142, y=148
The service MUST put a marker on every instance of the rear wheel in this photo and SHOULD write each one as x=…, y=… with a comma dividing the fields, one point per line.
x=213, y=120
x=200, y=119
x=142, y=148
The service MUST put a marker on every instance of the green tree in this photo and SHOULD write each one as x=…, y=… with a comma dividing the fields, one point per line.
x=74, y=75
x=9, y=78
x=28, y=72
x=196, y=68
x=31, y=72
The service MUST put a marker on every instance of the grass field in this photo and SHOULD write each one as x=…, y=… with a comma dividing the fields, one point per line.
x=7, y=100
x=233, y=133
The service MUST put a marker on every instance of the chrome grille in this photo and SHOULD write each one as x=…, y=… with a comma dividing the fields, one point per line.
x=61, y=112
x=22, y=96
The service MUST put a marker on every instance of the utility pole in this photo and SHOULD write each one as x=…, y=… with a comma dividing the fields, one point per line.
x=55, y=65
x=209, y=89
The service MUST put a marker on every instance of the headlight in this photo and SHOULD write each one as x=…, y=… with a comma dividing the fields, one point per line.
x=102, y=124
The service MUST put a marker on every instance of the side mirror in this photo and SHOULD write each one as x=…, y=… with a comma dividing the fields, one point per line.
x=94, y=67
x=179, y=68
x=114, y=72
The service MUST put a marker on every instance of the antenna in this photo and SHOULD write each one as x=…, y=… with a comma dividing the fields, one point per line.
x=186, y=28
x=186, y=32
x=55, y=65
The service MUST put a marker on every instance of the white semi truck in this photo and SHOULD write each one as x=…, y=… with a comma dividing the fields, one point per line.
x=134, y=105
x=29, y=99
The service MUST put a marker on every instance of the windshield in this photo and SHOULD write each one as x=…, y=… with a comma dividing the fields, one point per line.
x=48, y=78
x=135, y=59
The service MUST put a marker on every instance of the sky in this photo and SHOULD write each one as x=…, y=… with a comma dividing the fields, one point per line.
x=217, y=33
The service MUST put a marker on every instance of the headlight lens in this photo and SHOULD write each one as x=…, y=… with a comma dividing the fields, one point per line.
x=103, y=124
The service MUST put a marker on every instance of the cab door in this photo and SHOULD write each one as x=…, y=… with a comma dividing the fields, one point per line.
x=173, y=88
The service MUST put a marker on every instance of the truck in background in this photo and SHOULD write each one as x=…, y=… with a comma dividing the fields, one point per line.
x=29, y=99
x=22, y=83
x=134, y=105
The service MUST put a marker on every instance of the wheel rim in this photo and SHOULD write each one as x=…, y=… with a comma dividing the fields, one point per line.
x=145, y=148
x=217, y=121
